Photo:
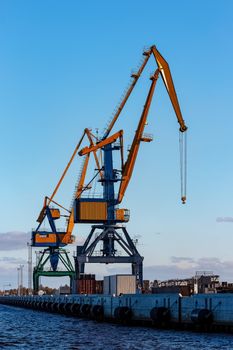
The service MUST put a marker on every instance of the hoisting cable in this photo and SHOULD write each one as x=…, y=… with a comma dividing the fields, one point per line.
x=183, y=164
x=100, y=163
x=86, y=187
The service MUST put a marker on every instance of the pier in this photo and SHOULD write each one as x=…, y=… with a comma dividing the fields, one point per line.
x=200, y=312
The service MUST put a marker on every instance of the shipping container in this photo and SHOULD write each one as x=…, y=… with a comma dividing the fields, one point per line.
x=85, y=286
x=99, y=287
x=107, y=285
x=120, y=284
x=87, y=276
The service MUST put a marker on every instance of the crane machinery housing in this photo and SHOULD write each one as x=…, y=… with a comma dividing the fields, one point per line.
x=108, y=229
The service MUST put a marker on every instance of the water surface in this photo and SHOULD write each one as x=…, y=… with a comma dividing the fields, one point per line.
x=28, y=329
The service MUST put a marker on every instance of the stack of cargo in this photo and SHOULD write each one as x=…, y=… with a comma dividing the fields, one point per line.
x=86, y=284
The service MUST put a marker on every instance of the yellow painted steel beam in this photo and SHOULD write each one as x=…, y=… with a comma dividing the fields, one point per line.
x=101, y=144
x=168, y=82
x=129, y=165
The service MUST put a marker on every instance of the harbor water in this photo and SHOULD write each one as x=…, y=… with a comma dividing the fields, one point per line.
x=29, y=329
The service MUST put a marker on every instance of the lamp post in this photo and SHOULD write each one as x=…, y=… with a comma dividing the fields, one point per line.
x=18, y=270
x=29, y=268
x=20, y=279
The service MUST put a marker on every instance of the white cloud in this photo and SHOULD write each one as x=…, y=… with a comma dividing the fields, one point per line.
x=12, y=260
x=14, y=240
x=225, y=219
x=183, y=267
x=181, y=259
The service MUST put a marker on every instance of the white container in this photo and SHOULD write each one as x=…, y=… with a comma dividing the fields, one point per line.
x=119, y=284
x=106, y=286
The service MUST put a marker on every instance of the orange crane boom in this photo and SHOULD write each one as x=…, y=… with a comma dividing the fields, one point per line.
x=167, y=79
x=168, y=82
x=129, y=165
x=70, y=222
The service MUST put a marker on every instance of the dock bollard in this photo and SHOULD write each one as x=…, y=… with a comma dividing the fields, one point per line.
x=160, y=315
x=123, y=313
x=85, y=310
x=97, y=311
x=75, y=309
x=202, y=316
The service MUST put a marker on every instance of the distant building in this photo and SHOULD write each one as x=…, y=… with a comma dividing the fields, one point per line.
x=185, y=287
x=225, y=287
x=146, y=287
x=64, y=289
x=206, y=282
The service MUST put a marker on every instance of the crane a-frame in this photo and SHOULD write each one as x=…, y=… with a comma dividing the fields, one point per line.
x=103, y=212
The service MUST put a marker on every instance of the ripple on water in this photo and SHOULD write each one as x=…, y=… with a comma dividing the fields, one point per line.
x=28, y=329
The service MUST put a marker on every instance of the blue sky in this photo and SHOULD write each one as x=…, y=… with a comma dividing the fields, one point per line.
x=64, y=66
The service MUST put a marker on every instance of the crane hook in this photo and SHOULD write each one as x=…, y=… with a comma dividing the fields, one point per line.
x=183, y=198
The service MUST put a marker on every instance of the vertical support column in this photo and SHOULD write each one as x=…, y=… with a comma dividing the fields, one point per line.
x=108, y=182
x=36, y=278
x=137, y=270
x=79, y=269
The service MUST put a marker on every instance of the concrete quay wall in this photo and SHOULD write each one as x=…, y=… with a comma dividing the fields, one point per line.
x=202, y=311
